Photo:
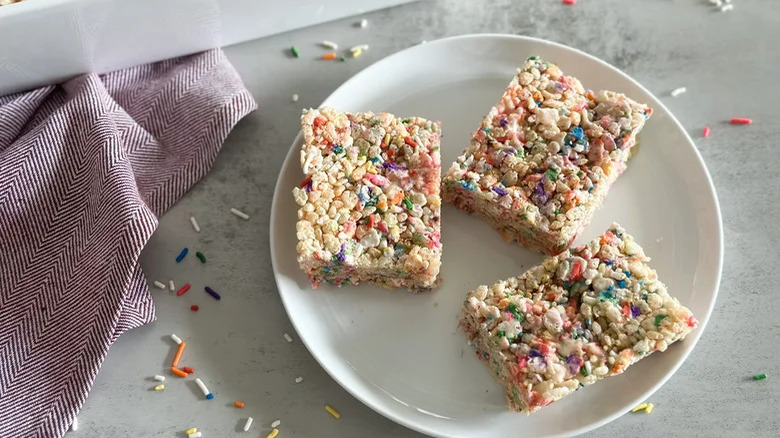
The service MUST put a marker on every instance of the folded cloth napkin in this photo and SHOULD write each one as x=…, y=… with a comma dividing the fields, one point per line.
x=86, y=168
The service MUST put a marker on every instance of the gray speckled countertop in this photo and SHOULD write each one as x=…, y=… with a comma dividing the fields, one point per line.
x=727, y=61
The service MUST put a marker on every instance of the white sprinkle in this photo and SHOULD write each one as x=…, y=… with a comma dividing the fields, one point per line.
x=202, y=387
x=288, y=337
x=160, y=285
x=159, y=378
x=240, y=214
x=363, y=23
x=298, y=379
x=359, y=47
x=678, y=91
x=75, y=425
x=195, y=224
x=423, y=42
x=295, y=97
x=173, y=286
x=330, y=44
x=727, y=7
x=195, y=435
x=175, y=338
x=248, y=424
x=276, y=424
x=716, y=2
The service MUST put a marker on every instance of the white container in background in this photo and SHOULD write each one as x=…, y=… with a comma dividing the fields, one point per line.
x=48, y=41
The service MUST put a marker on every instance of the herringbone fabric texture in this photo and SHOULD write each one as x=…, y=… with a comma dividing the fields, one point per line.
x=86, y=168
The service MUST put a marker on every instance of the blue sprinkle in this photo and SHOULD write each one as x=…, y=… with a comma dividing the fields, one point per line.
x=209, y=396
x=628, y=273
x=622, y=284
x=181, y=255
x=608, y=262
x=578, y=133
x=538, y=103
x=374, y=160
x=468, y=185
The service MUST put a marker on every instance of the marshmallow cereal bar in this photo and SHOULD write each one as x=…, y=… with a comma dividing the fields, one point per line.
x=580, y=316
x=370, y=201
x=544, y=157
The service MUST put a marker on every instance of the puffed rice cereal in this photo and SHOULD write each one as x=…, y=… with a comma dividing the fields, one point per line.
x=580, y=316
x=544, y=157
x=369, y=206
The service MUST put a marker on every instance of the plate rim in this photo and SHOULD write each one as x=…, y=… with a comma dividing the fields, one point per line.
x=711, y=192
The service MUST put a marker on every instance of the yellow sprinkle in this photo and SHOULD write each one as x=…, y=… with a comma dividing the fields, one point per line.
x=333, y=412
x=357, y=52
x=191, y=430
x=273, y=433
x=159, y=387
x=639, y=408
x=649, y=408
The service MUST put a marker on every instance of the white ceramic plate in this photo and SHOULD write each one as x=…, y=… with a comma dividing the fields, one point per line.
x=402, y=354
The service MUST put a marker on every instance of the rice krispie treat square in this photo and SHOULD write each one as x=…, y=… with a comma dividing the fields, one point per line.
x=544, y=157
x=580, y=316
x=370, y=203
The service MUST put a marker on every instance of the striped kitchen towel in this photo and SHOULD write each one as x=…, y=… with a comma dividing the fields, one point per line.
x=86, y=168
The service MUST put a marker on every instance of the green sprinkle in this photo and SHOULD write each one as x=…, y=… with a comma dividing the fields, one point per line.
x=343, y=58
x=761, y=376
x=658, y=319
x=200, y=257
x=524, y=217
x=408, y=203
x=552, y=174
x=533, y=58
x=502, y=333
x=584, y=372
x=513, y=309
x=406, y=120
x=294, y=51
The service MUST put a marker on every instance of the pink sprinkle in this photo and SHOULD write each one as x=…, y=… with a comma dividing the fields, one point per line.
x=706, y=132
x=741, y=121
x=377, y=179
x=569, y=2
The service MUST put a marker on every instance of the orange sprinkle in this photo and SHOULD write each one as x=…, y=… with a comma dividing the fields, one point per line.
x=178, y=372
x=239, y=404
x=397, y=198
x=178, y=354
x=188, y=370
x=329, y=56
